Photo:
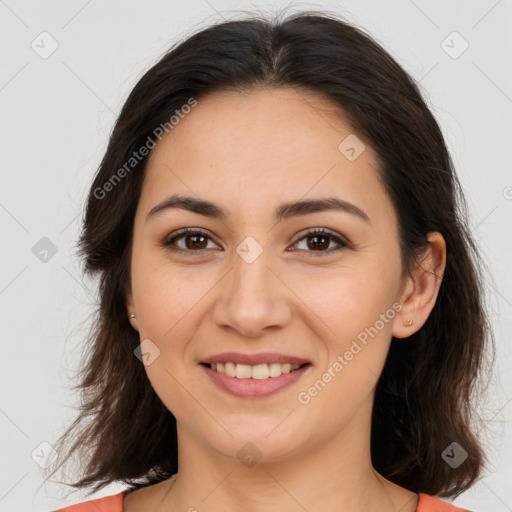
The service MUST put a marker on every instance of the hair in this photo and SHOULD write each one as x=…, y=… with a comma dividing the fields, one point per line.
x=424, y=397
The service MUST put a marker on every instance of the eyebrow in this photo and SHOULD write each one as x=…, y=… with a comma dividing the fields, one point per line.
x=285, y=211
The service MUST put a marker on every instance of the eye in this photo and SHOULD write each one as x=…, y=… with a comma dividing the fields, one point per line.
x=195, y=241
x=320, y=242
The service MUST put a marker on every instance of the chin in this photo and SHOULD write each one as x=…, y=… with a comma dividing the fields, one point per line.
x=251, y=445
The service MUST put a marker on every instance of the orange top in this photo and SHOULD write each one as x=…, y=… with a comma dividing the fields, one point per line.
x=426, y=503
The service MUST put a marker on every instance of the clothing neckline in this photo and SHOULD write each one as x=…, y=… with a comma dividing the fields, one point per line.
x=126, y=492
x=424, y=501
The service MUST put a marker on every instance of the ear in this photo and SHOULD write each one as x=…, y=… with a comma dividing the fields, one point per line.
x=130, y=308
x=421, y=288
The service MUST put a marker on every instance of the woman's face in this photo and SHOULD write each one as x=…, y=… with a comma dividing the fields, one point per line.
x=255, y=282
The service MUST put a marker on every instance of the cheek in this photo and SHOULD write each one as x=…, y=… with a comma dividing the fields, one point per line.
x=167, y=305
x=176, y=391
x=359, y=317
x=347, y=301
x=165, y=294
x=353, y=313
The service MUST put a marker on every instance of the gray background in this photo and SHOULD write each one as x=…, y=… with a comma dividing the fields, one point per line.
x=56, y=114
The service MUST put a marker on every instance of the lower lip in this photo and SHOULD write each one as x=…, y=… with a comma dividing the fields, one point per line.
x=254, y=388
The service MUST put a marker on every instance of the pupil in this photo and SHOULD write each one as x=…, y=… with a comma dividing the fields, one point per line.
x=193, y=245
x=316, y=245
x=318, y=242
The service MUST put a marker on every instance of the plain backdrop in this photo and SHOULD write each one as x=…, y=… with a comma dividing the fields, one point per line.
x=67, y=68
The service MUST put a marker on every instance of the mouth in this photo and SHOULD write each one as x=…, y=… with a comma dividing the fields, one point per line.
x=258, y=372
x=254, y=381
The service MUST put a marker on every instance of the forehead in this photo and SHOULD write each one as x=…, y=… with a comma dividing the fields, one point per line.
x=278, y=122
x=247, y=146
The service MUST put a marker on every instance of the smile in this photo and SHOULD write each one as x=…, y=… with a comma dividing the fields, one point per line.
x=258, y=381
x=259, y=371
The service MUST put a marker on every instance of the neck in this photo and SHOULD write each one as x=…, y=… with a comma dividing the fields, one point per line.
x=333, y=474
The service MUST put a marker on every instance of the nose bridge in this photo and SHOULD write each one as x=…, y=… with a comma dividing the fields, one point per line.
x=252, y=297
x=251, y=275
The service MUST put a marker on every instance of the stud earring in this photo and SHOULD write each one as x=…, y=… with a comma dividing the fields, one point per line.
x=408, y=323
x=132, y=315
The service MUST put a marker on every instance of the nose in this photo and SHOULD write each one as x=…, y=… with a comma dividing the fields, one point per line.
x=253, y=299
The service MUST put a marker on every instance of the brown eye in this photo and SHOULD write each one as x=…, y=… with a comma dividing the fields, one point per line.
x=194, y=241
x=319, y=240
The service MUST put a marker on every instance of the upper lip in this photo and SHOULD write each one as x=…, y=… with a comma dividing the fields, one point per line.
x=254, y=359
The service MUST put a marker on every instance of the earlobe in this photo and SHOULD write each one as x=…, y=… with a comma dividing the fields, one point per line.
x=420, y=293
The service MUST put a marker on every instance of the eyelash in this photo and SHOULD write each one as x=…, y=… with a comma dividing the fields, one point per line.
x=313, y=232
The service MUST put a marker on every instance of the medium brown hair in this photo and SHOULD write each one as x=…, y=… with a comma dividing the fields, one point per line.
x=424, y=396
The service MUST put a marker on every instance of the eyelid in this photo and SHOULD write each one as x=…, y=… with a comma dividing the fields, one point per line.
x=339, y=239
x=320, y=230
x=181, y=233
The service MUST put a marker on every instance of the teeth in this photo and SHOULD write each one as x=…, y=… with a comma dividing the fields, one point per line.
x=229, y=369
x=243, y=371
x=274, y=369
x=259, y=371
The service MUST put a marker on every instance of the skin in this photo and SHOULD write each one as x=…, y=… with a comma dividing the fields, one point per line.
x=249, y=153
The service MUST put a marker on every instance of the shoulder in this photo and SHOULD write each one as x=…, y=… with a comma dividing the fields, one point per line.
x=112, y=503
x=428, y=503
x=148, y=498
x=129, y=500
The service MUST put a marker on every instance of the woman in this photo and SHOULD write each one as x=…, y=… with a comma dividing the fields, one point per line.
x=291, y=308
